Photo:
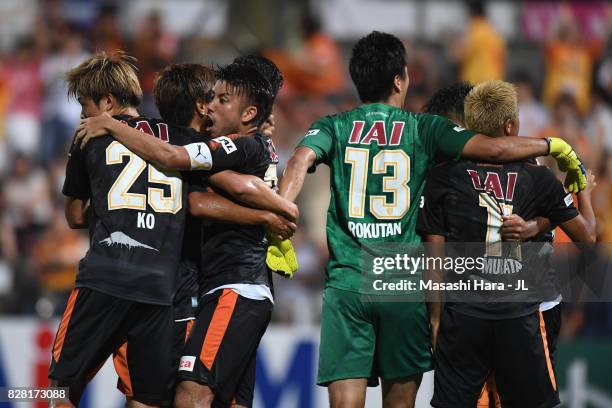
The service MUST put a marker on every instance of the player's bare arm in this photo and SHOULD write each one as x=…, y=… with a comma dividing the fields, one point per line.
x=293, y=179
x=434, y=301
x=75, y=210
x=583, y=228
x=249, y=190
x=151, y=149
x=213, y=206
x=481, y=147
x=580, y=229
x=254, y=192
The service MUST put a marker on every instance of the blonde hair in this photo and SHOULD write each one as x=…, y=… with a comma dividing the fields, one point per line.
x=103, y=74
x=488, y=106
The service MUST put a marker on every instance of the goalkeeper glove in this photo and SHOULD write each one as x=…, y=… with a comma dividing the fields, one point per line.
x=281, y=258
x=568, y=161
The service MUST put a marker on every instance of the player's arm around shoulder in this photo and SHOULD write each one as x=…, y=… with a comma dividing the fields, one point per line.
x=151, y=149
x=558, y=205
x=443, y=136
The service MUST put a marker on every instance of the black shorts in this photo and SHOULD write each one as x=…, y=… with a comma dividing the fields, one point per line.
x=515, y=350
x=222, y=346
x=181, y=331
x=552, y=324
x=96, y=325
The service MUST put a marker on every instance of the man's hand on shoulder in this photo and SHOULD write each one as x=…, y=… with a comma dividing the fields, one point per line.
x=93, y=127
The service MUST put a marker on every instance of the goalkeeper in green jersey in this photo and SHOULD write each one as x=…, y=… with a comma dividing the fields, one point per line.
x=379, y=157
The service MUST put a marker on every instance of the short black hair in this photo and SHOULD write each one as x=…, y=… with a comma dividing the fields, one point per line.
x=448, y=101
x=247, y=81
x=177, y=89
x=376, y=59
x=266, y=67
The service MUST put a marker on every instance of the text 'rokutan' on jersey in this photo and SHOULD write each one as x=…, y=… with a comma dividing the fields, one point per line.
x=379, y=157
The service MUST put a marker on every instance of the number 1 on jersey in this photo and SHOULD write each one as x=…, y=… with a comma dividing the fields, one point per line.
x=397, y=184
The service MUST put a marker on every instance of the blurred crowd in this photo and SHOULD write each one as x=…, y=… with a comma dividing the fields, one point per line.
x=563, y=78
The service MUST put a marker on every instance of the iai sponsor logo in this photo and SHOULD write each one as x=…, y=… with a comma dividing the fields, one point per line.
x=312, y=132
x=458, y=129
x=187, y=363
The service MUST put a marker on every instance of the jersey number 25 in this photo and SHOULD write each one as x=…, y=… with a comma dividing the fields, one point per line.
x=120, y=198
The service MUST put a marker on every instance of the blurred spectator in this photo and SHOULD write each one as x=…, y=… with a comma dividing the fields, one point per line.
x=599, y=123
x=8, y=249
x=56, y=256
x=566, y=123
x=4, y=99
x=482, y=51
x=532, y=114
x=315, y=70
x=106, y=35
x=602, y=199
x=154, y=47
x=423, y=74
x=604, y=75
x=28, y=201
x=569, y=63
x=61, y=114
x=22, y=71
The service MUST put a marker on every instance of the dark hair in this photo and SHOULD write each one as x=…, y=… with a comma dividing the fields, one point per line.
x=177, y=89
x=376, y=59
x=248, y=82
x=448, y=101
x=265, y=67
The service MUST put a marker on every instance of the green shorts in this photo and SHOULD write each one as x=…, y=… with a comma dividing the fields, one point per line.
x=363, y=339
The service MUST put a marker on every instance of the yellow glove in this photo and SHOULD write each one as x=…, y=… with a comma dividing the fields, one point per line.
x=281, y=258
x=568, y=161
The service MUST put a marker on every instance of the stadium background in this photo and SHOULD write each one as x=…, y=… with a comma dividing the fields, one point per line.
x=558, y=53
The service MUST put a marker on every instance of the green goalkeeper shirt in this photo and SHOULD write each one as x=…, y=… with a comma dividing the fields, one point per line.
x=379, y=156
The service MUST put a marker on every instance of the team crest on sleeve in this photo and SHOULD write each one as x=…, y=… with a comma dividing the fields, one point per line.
x=569, y=200
x=458, y=128
x=312, y=132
